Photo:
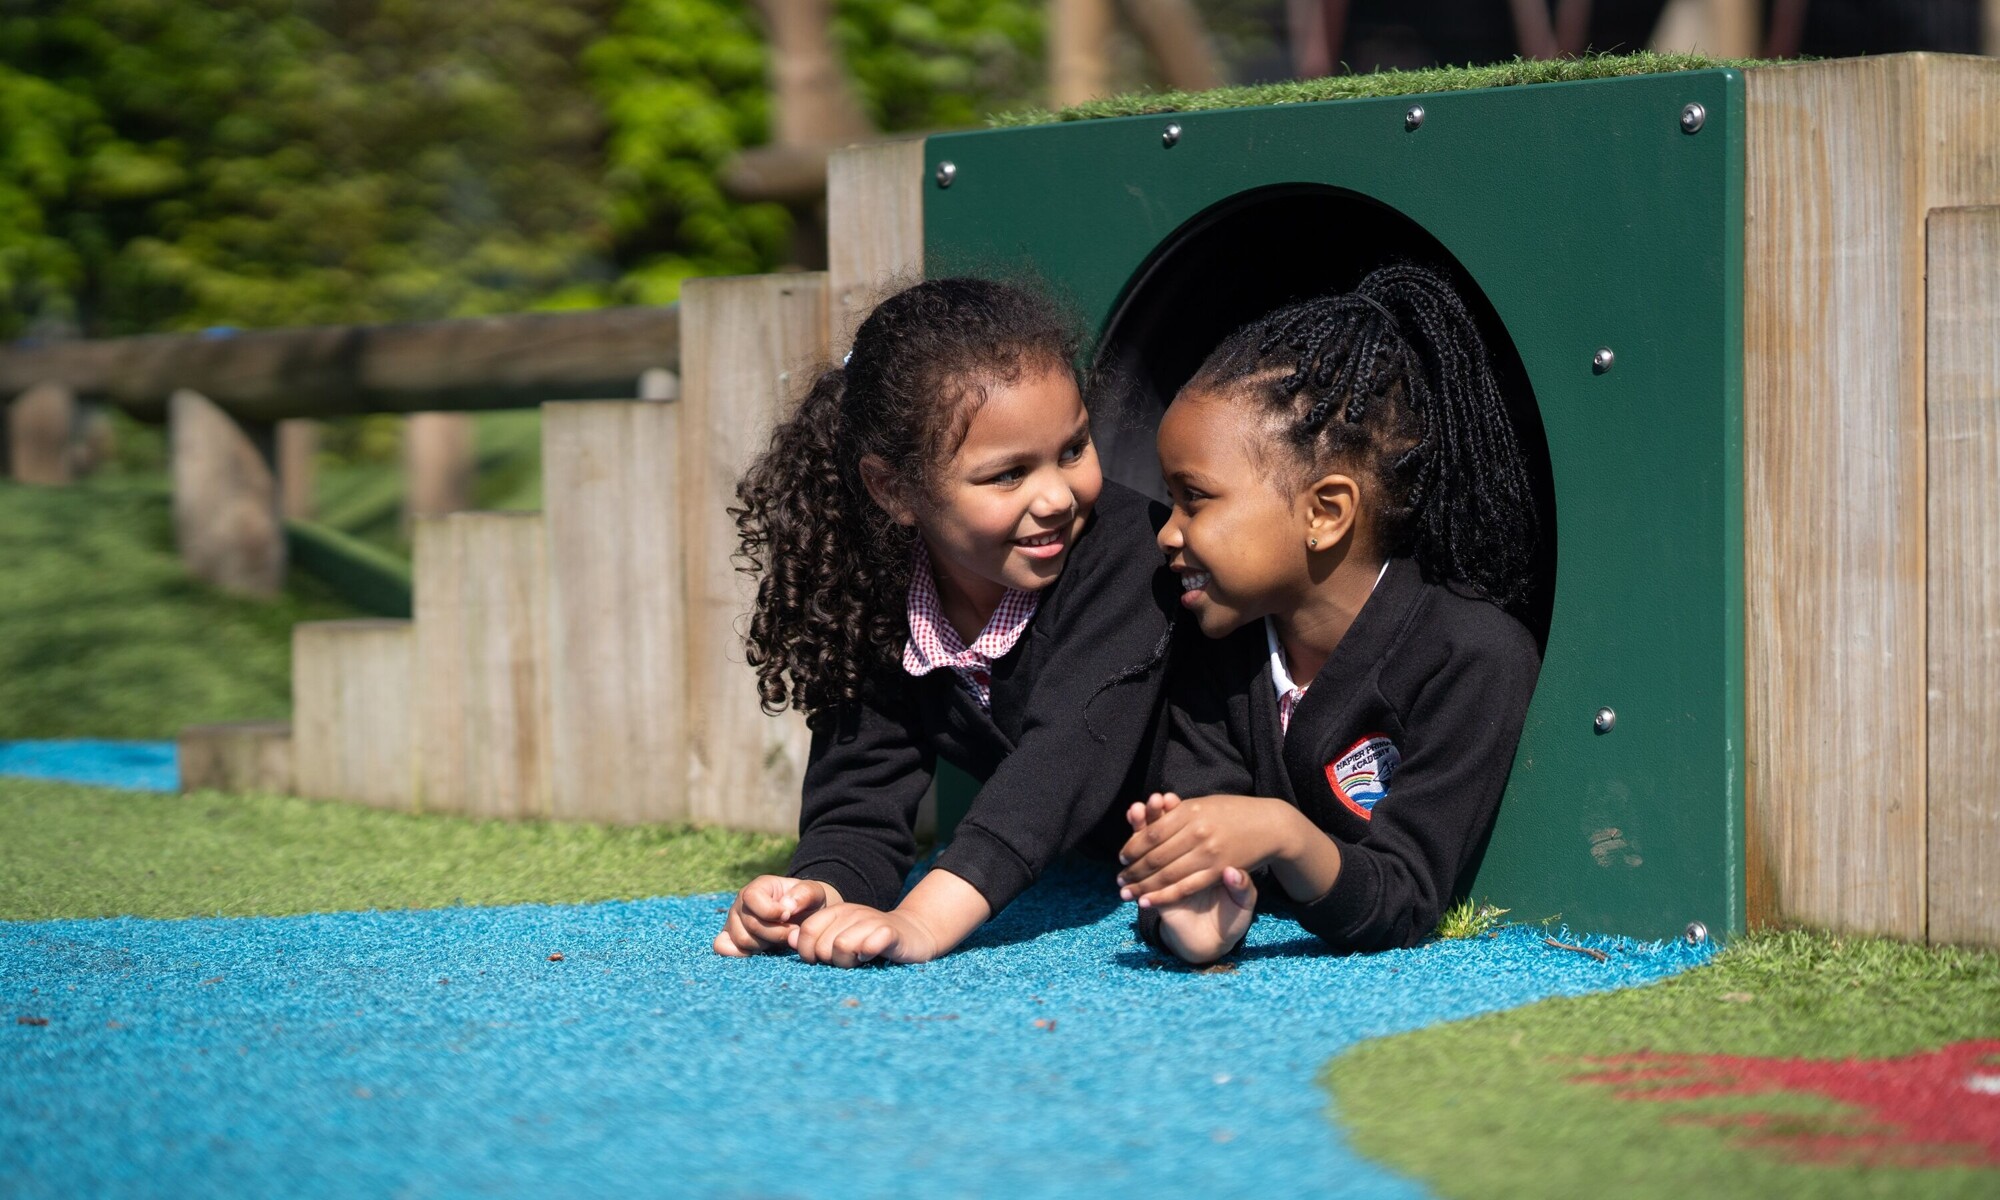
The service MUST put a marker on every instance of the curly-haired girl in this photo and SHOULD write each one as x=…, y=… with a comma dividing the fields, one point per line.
x=1352, y=515
x=945, y=572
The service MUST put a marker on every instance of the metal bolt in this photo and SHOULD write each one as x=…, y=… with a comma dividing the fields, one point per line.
x=946, y=172
x=1695, y=934
x=1171, y=135
x=1601, y=361
x=1413, y=118
x=1604, y=721
x=1693, y=117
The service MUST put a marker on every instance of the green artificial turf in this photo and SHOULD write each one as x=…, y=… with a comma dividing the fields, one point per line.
x=1377, y=83
x=1489, y=1107
x=73, y=851
x=103, y=633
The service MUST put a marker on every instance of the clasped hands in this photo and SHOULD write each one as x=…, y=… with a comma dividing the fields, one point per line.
x=774, y=913
x=1190, y=861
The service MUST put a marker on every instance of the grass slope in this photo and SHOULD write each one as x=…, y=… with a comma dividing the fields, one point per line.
x=1487, y=1108
x=103, y=634
x=73, y=851
x=1374, y=84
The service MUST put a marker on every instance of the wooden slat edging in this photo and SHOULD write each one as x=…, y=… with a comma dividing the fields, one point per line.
x=746, y=341
x=298, y=469
x=236, y=756
x=1963, y=403
x=352, y=712
x=482, y=664
x=268, y=375
x=1844, y=160
x=617, y=607
x=41, y=423
x=440, y=461
x=875, y=229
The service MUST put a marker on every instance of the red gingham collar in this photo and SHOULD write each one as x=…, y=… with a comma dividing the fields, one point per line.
x=934, y=644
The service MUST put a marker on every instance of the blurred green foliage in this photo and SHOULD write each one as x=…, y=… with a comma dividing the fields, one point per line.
x=178, y=164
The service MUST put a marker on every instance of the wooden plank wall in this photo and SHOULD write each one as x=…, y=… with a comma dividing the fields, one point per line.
x=1845, y=161
x=617, y=607
x=743, y=343
x=482, y=664
x=352, y=712
x=1962, y=313
x=875, y=230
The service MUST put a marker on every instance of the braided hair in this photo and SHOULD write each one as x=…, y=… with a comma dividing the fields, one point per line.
x=832, y=568
x=1393, y=383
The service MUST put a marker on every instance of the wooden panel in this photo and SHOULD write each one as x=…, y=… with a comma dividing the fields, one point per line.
x=617, y=604
x=298, y=469
x=270, y=374
x=236, y=756
x=440, y=457
x=351, y=712
x=744, y=341
x=875, y=229
x=226, y=520
x=1844, y=160
x=40, y=423
x=1963, y=403
x=481, y=659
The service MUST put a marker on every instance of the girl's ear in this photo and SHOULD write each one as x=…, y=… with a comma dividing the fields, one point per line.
x=1333, y=505
x=886, y=490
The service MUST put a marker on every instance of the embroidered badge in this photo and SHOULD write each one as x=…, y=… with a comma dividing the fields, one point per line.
x=1360, y=777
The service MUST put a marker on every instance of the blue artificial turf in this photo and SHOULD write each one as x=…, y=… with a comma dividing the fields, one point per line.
x=326, y=1055
x=134, y=766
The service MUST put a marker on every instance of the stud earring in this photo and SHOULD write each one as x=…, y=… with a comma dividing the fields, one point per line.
x=1312, y=543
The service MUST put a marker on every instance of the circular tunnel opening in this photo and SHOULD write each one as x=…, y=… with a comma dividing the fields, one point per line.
x=1256, y=252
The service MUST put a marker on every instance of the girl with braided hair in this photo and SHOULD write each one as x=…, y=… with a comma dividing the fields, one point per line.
x=1353, y=518
x=943, y=572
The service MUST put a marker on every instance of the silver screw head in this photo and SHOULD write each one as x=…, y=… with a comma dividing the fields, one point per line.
x=1693, y=117
x=1604, y=721
x=946, y=172
x=1601, y=361
x=1695, y=934
x=1170, y=135
x=1413, y=117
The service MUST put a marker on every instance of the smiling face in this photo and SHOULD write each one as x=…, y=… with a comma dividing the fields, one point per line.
x=1007, y=508
x=1235, y=538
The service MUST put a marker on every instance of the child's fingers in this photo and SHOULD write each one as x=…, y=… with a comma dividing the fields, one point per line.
x=861, y=941
x=1135, y=878
x=763, y=898
x=1242, y=891
x=882, y=943
x=1181, y=885
x=727, y=947
x=1169, y=801
x=801, y=899
x=805, y=936
x=1135, y=815
x=1158, y=830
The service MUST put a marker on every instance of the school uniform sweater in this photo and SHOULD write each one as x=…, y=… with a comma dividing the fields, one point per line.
x=1399, y=749
x=1075, y=705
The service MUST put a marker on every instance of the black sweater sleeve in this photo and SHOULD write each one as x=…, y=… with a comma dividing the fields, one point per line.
x=865, y=777
x=1460, y=729
x=1200, y=758
x=1089, y=711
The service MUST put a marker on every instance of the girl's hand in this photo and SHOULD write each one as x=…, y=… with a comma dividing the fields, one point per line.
x=1209, y=924
x=767, y=910
x=847, y=935
x=1184, y=845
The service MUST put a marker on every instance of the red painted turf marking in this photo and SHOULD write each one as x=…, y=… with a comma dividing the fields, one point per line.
x=1941, y=1108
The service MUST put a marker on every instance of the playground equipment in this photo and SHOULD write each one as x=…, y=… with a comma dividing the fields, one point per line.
x=1751, y=321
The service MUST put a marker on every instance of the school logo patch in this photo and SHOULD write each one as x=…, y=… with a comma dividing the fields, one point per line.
x=1360, y=777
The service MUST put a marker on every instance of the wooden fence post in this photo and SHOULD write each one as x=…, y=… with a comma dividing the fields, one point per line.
x=482, y=664
x=298, y=469
x=225, y=498
x=618, y=699
x=40, y=426
x=875, y=229
x=744, y=342
x=352, y=705
x=440, y=454
x=1962, y=402
x=236, y=756
x=1834, y=447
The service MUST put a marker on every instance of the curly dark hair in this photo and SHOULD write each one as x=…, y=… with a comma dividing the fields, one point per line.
x=834, y=569
x=1393, y=382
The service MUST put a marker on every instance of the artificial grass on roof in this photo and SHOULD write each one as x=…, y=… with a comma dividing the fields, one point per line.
x=67, y=850
x=1377, y=83
x=1513, y=1104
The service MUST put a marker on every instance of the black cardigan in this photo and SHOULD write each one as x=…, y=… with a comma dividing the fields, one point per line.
x=1076, y=703
x=1444, y=677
